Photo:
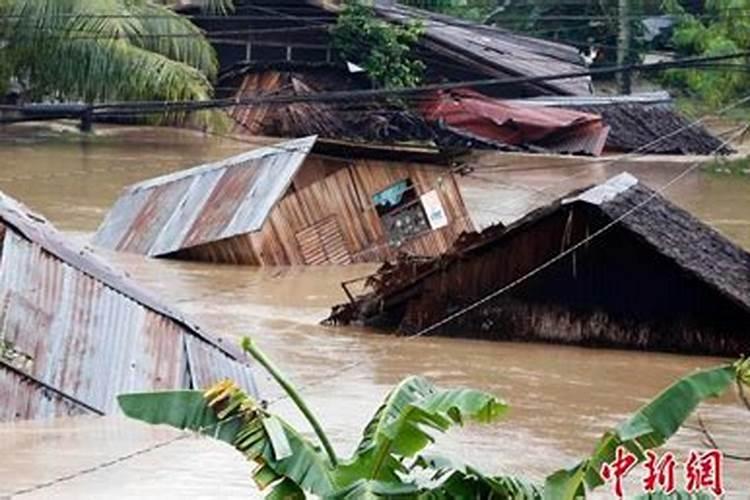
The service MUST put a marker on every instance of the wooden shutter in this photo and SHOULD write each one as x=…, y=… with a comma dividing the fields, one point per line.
x=323, y=243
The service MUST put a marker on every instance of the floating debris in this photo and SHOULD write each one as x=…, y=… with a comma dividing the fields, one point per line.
x=657, y=279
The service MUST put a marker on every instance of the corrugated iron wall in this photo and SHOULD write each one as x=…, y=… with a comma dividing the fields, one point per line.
x=90, y=341
x=345, y=196
x=21, y=397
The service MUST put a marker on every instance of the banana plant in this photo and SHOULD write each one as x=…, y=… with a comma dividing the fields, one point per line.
x=394, y=458
x=650, y=427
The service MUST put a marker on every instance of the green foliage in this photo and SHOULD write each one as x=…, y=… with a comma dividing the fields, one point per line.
x=393, y=458
x=724, y=166
x=382, y=49
x=719, y=31
x=387, y=461
x=98, y=50
x=472, y=10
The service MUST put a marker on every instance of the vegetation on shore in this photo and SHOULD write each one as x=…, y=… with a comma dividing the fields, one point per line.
x=724, y=166
x=394, y=457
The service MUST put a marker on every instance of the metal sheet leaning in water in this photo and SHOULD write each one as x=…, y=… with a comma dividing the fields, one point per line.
x=76, y=332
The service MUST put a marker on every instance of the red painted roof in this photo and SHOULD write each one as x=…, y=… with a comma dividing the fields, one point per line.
x=501, y=122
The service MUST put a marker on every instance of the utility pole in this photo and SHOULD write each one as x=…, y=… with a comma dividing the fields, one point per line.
x=623, y=45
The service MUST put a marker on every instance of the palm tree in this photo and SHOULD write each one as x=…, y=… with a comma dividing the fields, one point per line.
x=102, y=50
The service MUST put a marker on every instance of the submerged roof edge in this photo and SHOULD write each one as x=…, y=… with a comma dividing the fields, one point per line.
x=40, y=231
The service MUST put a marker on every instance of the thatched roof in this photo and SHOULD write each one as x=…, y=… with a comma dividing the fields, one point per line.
x=678, y=235
x=696, y=248
x=645, y=122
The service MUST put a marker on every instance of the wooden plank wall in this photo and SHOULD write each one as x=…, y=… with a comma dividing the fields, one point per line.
x=346, y=195
x=342, y=191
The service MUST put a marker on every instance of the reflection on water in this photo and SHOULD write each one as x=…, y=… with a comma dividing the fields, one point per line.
x=562, y=398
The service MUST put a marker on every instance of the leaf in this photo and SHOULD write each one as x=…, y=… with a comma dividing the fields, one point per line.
x=286, y=490
x=279, y=442
x=180, y=409
x=226, y=413
x=450, y=478
x=364, y=489
x=649, y=427
x=98, y=50
x=400, y=427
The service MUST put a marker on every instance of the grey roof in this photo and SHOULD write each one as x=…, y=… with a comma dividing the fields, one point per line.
x=498, y=49
x=89, y=331
x=207, y=203
x=647, y=122
x=675, y=233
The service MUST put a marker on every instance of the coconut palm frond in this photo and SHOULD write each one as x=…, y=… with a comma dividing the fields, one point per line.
x=174, y=36
x=95, y=50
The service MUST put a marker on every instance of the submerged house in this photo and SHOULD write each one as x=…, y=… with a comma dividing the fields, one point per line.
x=305, y=201
x=286, y=49
x=614, y=265
x=259, y=32
x=75, y=332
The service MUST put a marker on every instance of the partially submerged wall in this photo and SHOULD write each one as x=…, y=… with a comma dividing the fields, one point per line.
x=76, y=333
x=657, y=279
x=329, y=217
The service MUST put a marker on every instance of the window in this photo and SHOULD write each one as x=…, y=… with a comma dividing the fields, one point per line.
x=400, y=212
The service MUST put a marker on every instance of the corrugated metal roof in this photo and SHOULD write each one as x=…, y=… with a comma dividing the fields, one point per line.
x=88, y=333
x=505, y=123
x=22, y=396
x=498, y=49
x=203, y=204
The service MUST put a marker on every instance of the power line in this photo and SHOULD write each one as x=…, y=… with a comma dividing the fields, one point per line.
x=125, y=108
x=355, y=95
x=332, y=17
x=493, y=295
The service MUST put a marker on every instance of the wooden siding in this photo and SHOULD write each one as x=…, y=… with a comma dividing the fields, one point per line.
x=323, y=243
x=346, y=193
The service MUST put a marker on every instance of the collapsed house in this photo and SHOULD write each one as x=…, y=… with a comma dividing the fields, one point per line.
x=286, y=49
x=299, y=31
x=614, y=265
x=646, y=122
x=305, y=201
x=76, y=332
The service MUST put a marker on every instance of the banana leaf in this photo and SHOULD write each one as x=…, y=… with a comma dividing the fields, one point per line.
x=402, y=426
x=649, y=427
x=286, y=460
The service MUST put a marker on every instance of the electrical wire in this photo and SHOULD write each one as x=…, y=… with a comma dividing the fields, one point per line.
x=164, y=106
x=493, y=295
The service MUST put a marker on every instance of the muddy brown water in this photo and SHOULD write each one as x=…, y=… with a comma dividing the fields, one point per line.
x=562, y=398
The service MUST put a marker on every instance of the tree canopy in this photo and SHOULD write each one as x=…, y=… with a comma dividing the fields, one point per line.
x=99, y=50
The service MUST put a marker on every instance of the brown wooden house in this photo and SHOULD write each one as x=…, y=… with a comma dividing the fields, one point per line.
x=615, y=265
x=303, y=201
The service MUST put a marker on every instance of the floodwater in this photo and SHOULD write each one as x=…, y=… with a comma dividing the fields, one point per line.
x=562, y=398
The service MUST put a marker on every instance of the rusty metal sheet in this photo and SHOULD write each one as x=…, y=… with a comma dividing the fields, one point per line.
x=511, y=124
x=21, y=396
x=203, y=204
x=86, y=331
x=208, y=366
